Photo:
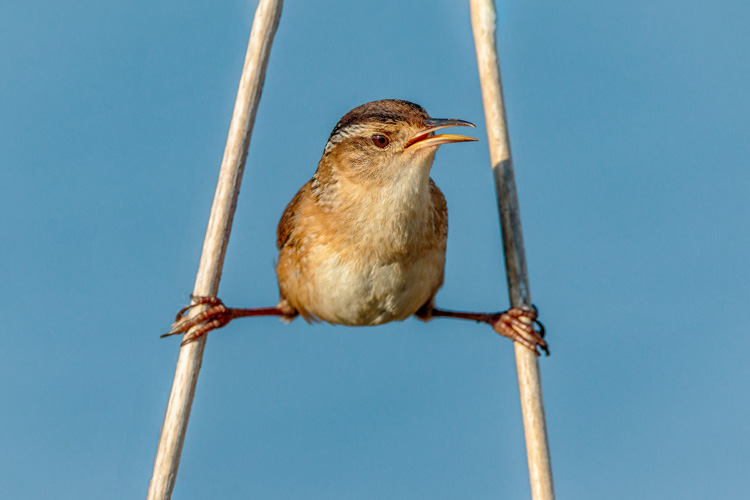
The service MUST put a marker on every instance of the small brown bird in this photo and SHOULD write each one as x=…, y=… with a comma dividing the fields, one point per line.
x=363, y=242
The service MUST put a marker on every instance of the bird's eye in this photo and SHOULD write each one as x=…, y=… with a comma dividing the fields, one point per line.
x=380, y=141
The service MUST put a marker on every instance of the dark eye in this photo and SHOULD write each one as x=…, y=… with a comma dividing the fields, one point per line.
x=380, y=141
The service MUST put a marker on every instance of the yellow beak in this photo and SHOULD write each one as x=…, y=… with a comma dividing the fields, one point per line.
x=427, y=138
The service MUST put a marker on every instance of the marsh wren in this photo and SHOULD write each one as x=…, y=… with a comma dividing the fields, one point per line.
x=363, y=242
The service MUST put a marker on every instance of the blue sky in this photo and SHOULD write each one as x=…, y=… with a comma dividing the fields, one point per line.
x=628, y=124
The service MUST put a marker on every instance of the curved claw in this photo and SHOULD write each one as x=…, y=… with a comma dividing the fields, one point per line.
x=542, y=330
x=181, y=312
x=210, y=319
x=518, y=325
x=536, y=321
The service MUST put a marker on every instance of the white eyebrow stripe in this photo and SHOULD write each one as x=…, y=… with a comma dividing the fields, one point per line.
x=344, y=133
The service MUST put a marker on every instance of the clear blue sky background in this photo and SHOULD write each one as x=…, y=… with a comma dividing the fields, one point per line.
x=629, y=126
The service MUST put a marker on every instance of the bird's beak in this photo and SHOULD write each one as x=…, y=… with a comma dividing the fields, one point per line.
x=427, y=138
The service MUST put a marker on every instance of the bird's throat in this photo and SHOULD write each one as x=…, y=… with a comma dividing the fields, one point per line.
x=389, y=211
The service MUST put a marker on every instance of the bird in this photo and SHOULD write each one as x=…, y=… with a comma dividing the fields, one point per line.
x=363, y=242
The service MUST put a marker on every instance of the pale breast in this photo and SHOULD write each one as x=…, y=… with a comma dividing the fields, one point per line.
x=379, y=264
x=361, y=292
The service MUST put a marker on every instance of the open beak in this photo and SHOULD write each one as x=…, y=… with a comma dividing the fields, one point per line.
x=427, y=137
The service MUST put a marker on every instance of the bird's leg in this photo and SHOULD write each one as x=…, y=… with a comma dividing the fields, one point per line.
x=218, y=315
x=516, y=323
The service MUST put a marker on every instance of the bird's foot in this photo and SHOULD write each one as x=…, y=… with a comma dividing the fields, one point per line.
x=216, y=316
x=519, y=324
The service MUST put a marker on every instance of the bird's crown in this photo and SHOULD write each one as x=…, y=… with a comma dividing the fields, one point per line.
x=383, y=112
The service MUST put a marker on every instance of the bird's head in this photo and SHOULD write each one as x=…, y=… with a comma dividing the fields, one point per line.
x=386, y=142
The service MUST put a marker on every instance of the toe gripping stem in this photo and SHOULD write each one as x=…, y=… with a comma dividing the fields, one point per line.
x=216, y=316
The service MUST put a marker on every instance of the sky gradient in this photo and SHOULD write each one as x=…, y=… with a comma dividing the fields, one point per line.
x=629, y=129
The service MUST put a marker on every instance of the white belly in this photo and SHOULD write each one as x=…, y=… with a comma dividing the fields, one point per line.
x=360, y=294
